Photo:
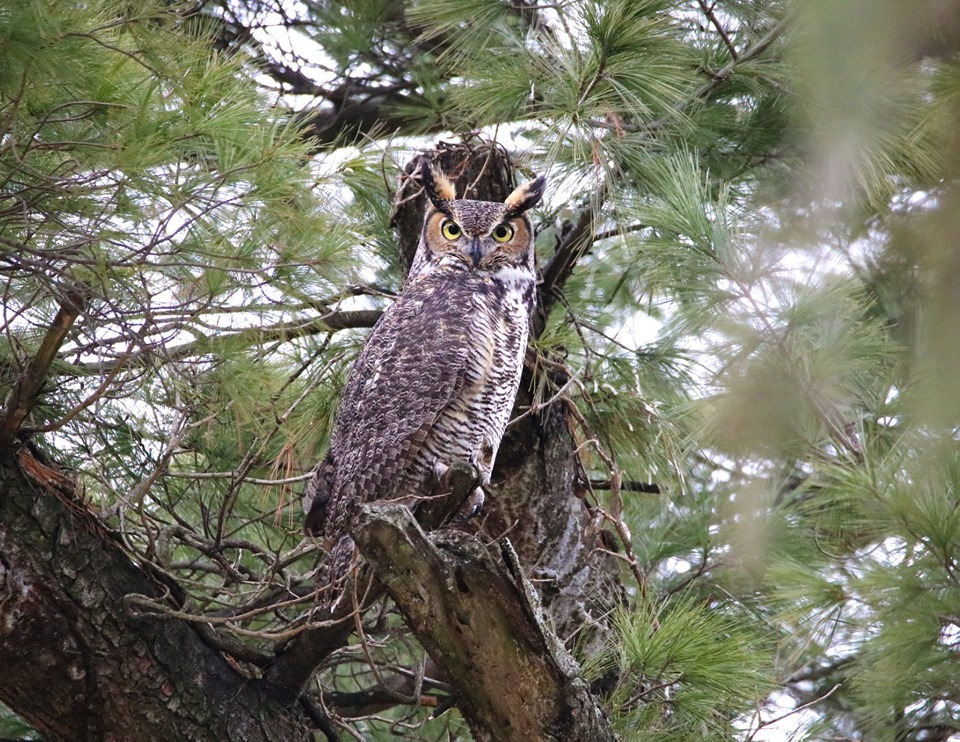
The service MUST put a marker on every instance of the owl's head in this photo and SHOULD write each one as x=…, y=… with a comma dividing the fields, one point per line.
x=475, y=235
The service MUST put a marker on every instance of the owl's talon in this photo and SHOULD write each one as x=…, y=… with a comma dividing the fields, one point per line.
x=472, y=506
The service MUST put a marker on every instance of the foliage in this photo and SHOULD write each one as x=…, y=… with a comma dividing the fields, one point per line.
x=704, y=663
x=13, y=727
x=763, y=325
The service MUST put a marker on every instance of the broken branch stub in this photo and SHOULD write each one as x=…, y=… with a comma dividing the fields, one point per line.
x=478, y=618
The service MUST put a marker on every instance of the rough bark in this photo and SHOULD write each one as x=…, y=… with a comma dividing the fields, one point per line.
x=76, y=664
x=536, y=498
x=479, y=618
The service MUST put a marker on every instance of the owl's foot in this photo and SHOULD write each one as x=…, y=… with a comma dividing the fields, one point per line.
x=457, y=477
x=472, y=506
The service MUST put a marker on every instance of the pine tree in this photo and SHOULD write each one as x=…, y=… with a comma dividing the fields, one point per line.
x=733, y=480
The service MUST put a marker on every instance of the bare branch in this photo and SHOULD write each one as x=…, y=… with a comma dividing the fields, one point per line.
x=708, y=11
x=332, y=321
x=21, y=398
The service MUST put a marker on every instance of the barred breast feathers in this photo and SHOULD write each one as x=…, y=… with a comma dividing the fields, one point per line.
x=438, y=374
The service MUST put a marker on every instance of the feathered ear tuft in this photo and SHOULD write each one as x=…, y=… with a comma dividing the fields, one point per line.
x=526, y=196
x=439, y=189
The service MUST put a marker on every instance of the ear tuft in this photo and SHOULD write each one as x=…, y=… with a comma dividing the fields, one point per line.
x=526, y=196
x=439, y=189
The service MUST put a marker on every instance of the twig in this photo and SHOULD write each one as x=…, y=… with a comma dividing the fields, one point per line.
x=629, y=485
x=708, y=11
x=22, y=396
x=799, y=708
x=235, y=475
x=332, y=321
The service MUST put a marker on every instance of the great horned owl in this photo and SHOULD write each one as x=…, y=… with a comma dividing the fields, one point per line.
x=436, y=379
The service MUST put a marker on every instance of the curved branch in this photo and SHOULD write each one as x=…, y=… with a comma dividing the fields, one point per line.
x=282, y=331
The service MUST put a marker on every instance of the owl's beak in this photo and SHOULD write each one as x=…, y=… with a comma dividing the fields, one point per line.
x=475, y=252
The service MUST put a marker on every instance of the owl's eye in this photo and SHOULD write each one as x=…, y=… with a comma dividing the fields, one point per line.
x=502, y=232
x=451, y=230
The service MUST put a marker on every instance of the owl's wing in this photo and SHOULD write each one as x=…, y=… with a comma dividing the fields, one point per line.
x=412, y=366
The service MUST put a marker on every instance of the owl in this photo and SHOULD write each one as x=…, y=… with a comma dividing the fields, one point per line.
x=438, y=374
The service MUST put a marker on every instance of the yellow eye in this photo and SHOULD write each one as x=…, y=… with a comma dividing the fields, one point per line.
x=450, y=230
x=502, y=232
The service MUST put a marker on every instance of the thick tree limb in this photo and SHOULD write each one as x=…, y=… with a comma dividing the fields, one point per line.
x=479, y=619
x=76, y=665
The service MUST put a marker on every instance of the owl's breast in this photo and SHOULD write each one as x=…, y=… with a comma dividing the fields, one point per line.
x=501, y=317
x=498, y=338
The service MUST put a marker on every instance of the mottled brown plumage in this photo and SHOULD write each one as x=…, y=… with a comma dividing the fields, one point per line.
x=437, y=377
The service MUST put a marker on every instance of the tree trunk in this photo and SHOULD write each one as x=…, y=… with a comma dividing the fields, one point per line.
x=77, y=665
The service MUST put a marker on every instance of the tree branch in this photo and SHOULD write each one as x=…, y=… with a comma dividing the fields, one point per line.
x=708, y=11
x=479, y=618
x=571, y=249
x=23, y=395
x=647, y=488
x=329, y=322
x=298, y=660
x=579, y=239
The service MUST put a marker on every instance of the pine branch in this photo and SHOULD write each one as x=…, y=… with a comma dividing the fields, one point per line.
x=751, y=52
x=22, y=397
x=579, y=239
x=283, y=331
x=717, y=80
x=395, y=690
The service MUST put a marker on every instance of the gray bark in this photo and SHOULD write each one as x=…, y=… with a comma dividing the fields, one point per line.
x=479, y=618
